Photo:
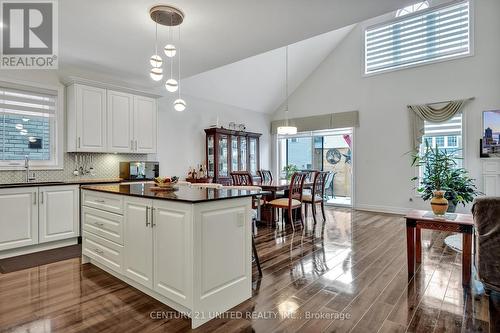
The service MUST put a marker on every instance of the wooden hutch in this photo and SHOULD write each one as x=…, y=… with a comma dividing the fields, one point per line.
x=230, y=150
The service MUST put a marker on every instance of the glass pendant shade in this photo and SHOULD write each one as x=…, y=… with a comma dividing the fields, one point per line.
x=155, y=60
x=156, y=73
x=179, y=105
x=170, y=50
x=287, y=130
x=171, y=85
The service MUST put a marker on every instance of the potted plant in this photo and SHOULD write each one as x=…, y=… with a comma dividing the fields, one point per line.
x=443, y=181
x=289, y=170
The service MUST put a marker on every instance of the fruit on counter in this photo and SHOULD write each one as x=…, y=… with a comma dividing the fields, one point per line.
x=166, y=180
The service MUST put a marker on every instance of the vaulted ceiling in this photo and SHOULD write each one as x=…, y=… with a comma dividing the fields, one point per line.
x=115, y=38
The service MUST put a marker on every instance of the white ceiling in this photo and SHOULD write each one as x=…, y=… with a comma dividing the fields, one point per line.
x=258, y=83
x=116, y=37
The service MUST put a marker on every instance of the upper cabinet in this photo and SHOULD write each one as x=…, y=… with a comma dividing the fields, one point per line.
x=103, y=120
x=86, y=119
x=144, y=125
x=120, y=129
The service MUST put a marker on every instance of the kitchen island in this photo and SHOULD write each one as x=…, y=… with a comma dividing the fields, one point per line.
x=189, y=248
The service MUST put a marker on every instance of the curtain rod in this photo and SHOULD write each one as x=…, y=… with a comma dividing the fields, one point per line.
x=433, y=103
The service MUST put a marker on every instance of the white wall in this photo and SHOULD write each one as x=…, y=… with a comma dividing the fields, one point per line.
x=382, y=170
x=181, y=137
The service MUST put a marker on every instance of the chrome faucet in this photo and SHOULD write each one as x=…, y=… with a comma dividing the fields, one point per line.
x=27, y=167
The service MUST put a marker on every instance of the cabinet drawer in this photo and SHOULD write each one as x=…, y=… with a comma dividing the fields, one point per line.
x=105, y=224
x=103, y=251
x=108, y=202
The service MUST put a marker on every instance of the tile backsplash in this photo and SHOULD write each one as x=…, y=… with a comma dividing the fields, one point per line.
x=105, y=166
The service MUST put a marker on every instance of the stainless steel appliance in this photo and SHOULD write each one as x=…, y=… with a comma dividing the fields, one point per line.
x=139, y=170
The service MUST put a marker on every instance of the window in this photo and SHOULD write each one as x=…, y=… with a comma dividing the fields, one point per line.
x=435, y=134
x=425, y=36
x=28, y=127
x=327, y=150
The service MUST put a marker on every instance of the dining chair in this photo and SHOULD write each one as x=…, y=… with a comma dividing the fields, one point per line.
x=317, y=194
x=256, y=204
x=242, y=178
x=266, y=176
x=294, y=199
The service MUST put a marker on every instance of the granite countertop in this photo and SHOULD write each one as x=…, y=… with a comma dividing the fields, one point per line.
x=76, y=181
x=182, y=193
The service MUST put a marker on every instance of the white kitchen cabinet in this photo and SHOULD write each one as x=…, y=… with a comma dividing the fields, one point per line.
x=145, y=125
x=102, y=120
x=120, y=117
x=138, y=245
x=171, y=244
x=58, y=209
x=19, y=217
x=86, y=109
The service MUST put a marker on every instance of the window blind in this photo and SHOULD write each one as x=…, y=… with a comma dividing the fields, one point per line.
x=23, y=102
x=430, y=35
x=450, y=127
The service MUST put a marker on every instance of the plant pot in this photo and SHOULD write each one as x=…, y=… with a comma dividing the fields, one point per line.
x=439, y=203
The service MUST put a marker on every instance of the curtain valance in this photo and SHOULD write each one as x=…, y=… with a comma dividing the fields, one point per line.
x=420, y=113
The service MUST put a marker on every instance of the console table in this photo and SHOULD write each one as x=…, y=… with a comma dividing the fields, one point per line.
x=421, y=219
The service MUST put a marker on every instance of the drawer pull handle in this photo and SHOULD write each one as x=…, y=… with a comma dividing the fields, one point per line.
x=99, y=224
x=98, y=251
x=100, y=201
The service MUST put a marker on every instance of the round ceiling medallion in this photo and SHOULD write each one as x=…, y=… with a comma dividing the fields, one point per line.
x=166, y=15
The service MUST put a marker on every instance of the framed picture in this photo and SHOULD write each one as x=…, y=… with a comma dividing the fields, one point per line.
x=491, y=134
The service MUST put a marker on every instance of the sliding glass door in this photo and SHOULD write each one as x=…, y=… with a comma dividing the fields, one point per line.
x=329, y=150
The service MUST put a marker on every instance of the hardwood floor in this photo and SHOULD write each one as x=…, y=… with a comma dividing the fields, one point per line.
x=346, y=275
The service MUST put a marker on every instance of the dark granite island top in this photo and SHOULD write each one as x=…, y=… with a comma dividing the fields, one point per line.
x=182, y=193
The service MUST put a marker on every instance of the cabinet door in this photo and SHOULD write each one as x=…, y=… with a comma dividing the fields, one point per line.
x=145, y=125
x=120, y=117
x=172, y=245
x=19, y=217
x=58, y=209
x=210, y=156
x=243, y=153
x=91, y=119
x=138, y=245
x=222, y=156
x=253, y=155
x=234, y=153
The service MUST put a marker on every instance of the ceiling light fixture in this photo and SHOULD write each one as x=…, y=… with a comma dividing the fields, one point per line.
x=287, y=129
x=171, y=17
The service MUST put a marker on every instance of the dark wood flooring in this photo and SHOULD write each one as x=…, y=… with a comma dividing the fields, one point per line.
x=346, y=275
x=25, y=261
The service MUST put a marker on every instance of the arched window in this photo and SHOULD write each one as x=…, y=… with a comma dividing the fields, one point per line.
x=412, y=8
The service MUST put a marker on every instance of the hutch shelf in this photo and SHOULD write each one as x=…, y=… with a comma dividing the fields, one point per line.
x=230, y=150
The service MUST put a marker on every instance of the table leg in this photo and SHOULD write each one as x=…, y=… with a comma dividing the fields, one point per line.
x=418, y=246
x=410, y=249
x=466, y=258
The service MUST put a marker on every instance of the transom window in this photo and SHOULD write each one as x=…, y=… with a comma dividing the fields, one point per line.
x=419, y=36
x=412, y=8
x=28, y=127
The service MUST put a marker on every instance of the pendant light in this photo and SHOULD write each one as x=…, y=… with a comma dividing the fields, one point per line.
x=168, y=16
x=156, y=62
x=179, y=103
x=287, y=129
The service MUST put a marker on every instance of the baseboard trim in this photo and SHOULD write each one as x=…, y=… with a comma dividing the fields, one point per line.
x=37, y=248
x=383, y=209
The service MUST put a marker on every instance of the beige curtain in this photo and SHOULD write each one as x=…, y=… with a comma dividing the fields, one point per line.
x=420, y=113
x=321, y=122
